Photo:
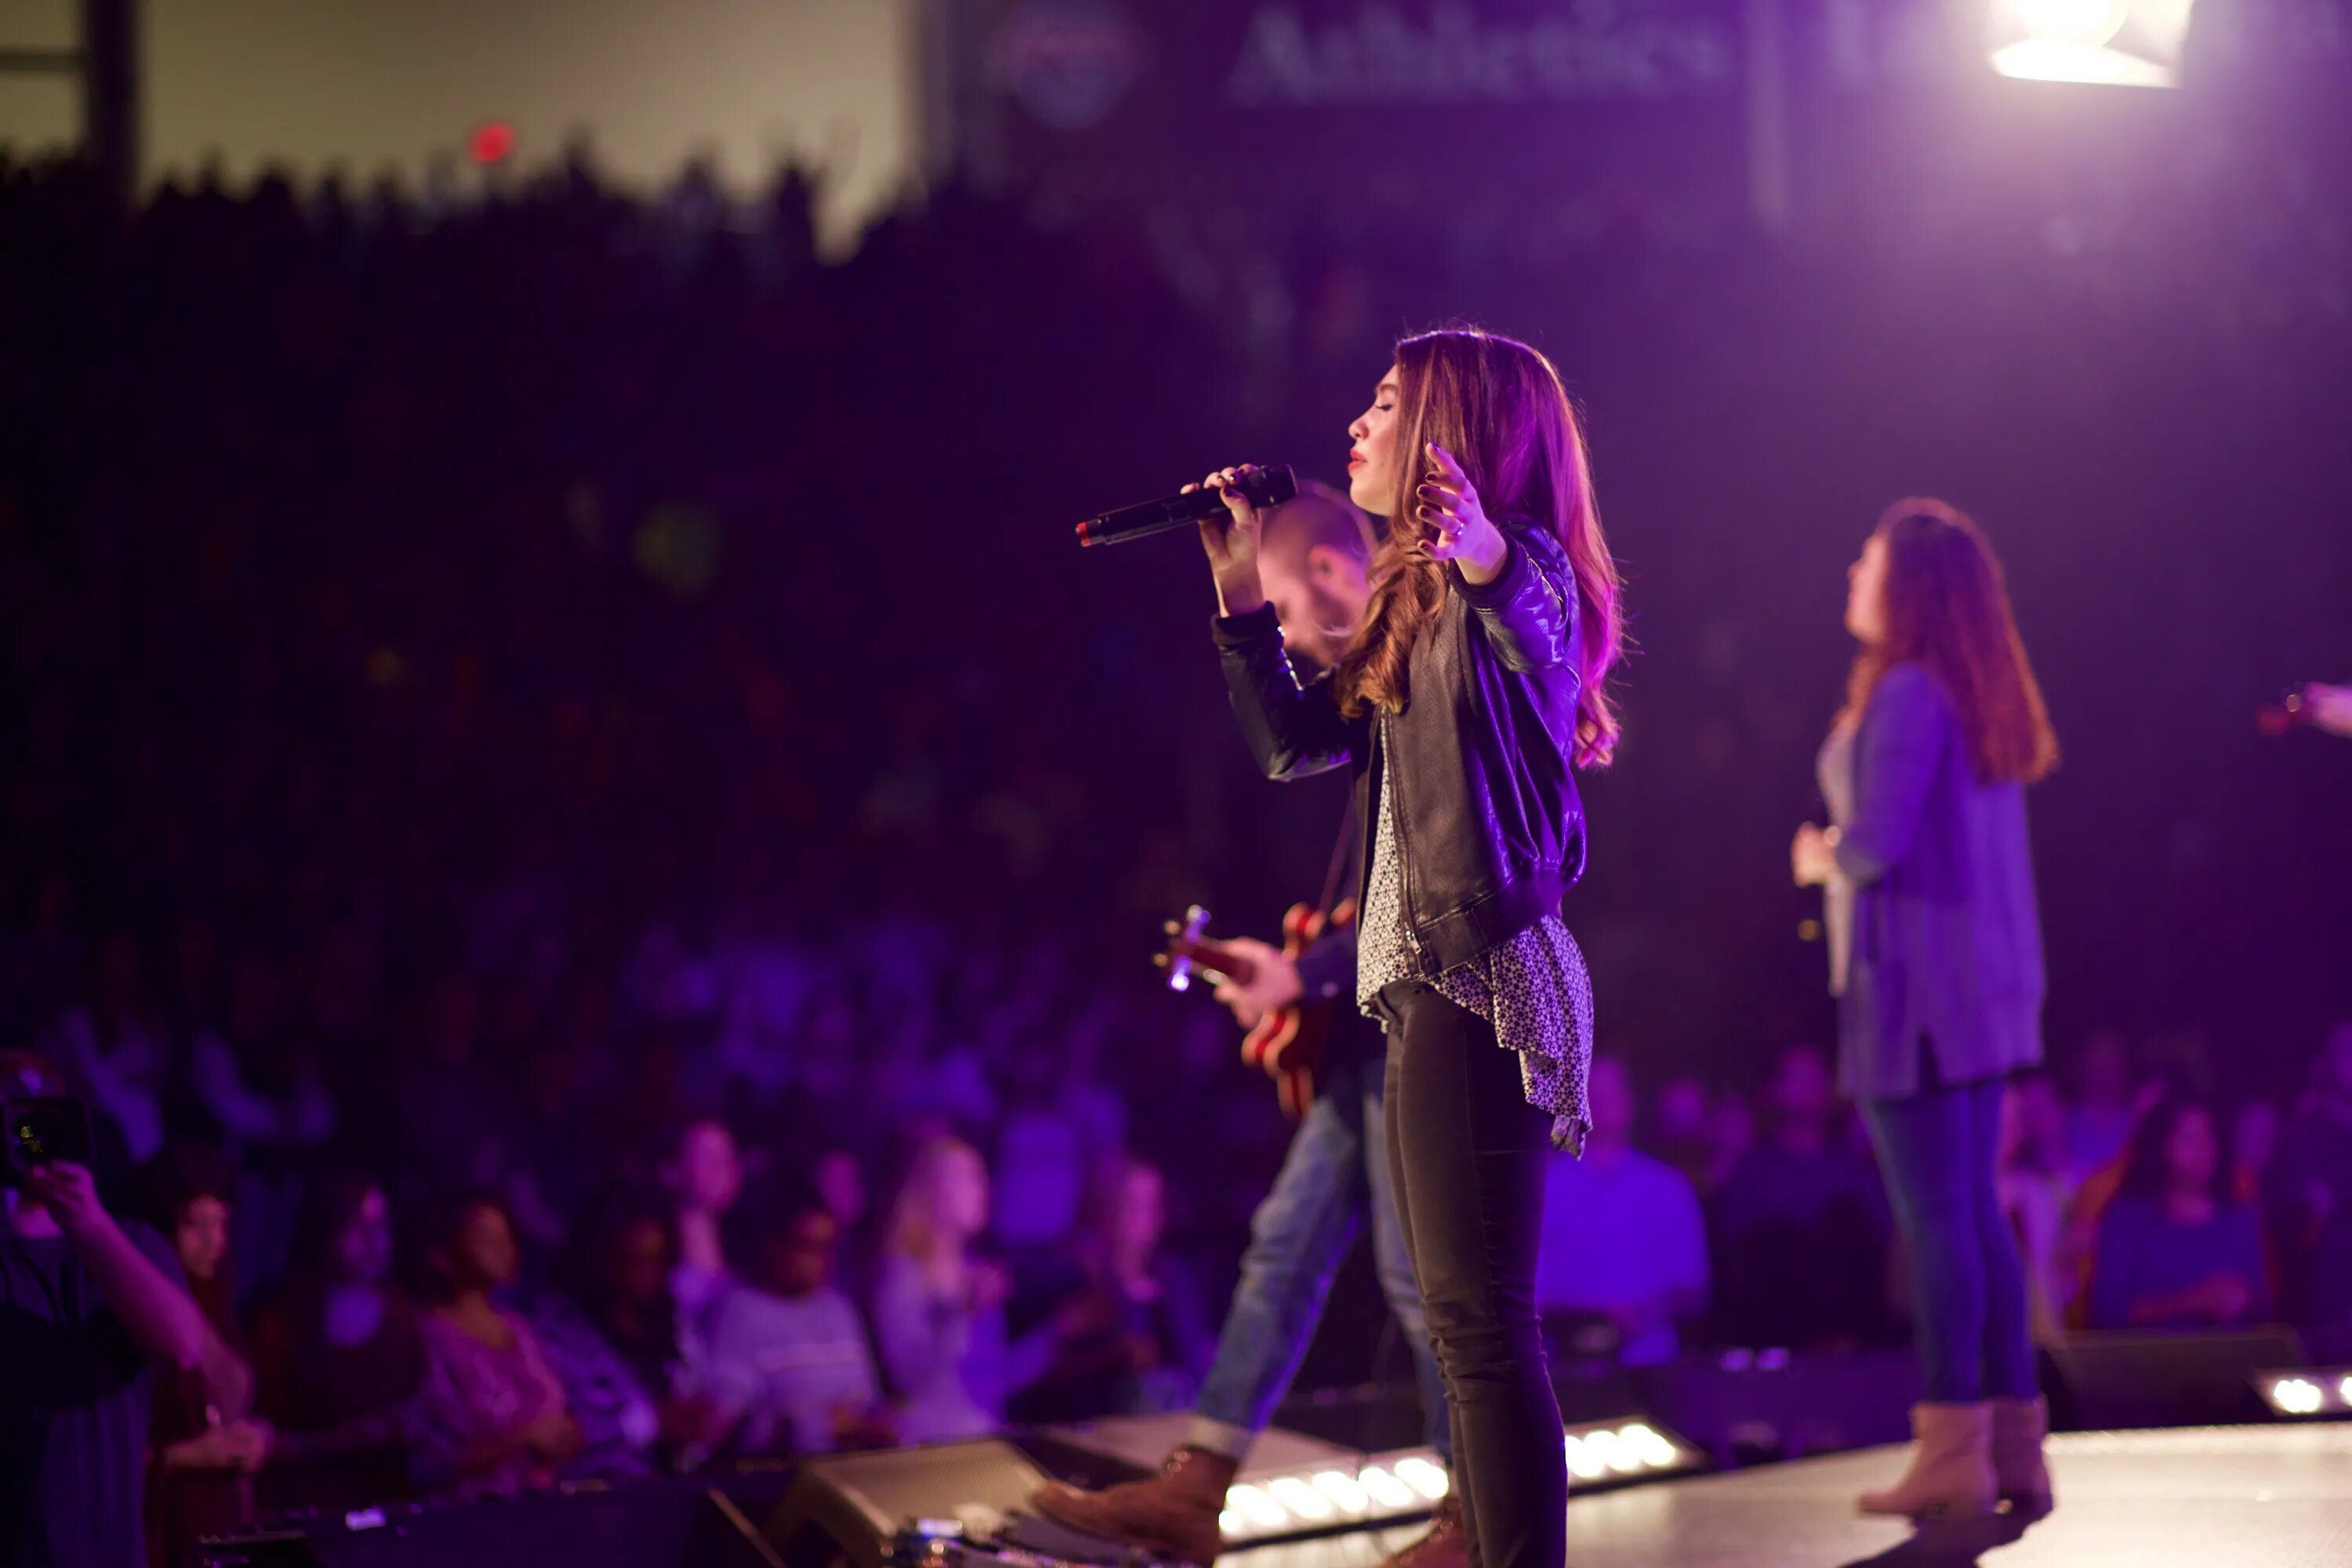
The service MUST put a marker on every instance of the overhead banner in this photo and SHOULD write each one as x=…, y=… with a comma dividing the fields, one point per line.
x=1358, y=103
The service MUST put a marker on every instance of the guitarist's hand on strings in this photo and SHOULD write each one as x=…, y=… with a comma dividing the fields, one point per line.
x=1273, y=981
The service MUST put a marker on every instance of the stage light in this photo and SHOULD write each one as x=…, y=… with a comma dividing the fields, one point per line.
x=2344, y=1391
x=2113, y=43
x=1346, y=1494
x=1302, y=1499
x=2293, y=1394
x=1405, y=1484
x=1423, y=1475
x=1254, y=1505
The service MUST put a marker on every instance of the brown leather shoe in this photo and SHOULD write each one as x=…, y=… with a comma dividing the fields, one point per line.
x=1950, y=1474
x=2022, y=1476
x=1171, y=1514
x=1446, y=1544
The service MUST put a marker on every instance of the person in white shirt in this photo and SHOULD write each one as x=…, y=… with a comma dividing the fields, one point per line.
x=1624, y=1234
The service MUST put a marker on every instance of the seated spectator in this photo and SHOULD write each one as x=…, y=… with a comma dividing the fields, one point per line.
x=631, y=1372
x=1624, y=1236
x=938, y=1308
x=839, y=1178
x=1801, y=1205
x=2101, y=1112
x=491, y=1418
x=2309, y=1195
x=206, y=1444
x=339, y=1355
x=789, y=1366
x=89, y=1309
x=2171, y=1252
x=1683, y=1129
x=705, y=1177
x=2031, y=1172
x=1130, y=1336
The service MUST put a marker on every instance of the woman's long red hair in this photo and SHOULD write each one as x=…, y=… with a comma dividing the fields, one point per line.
x=1948, y=611
x=1499, y=407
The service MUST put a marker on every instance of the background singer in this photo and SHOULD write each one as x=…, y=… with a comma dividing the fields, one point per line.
x=1936, y=955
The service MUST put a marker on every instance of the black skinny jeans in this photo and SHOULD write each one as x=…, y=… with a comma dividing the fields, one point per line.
x=1466, y=1153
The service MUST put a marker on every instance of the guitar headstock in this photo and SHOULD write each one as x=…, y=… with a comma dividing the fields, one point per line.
x=1178, y=957
x=1189, y=955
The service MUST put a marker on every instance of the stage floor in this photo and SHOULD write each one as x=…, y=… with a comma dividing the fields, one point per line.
x=2263, y=1497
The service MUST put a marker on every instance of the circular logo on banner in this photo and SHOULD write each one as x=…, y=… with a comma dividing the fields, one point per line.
x=1068, y=62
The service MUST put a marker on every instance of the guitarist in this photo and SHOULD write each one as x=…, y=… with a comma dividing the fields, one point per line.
x=1314, y=560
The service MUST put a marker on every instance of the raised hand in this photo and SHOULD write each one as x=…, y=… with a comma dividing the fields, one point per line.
x=1456, y=526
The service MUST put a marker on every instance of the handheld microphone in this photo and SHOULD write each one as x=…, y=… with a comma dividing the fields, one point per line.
x=1264, y=487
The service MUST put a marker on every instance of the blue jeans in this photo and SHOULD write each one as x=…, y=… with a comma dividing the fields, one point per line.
x=1937, y=1148
x=1334, y=1178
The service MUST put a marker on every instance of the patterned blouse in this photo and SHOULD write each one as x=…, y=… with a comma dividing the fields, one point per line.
x=1533, y=989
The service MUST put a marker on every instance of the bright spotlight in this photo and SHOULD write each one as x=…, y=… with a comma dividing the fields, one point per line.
x=2297, y=1396
x=1344, y=1490
x=1423, y=1476
x=1300, y=1498
x=1385, y=1489
x=2113, y=43
x=2344, y=1392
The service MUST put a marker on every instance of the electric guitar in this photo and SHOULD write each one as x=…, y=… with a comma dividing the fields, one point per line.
x=1292, y=1042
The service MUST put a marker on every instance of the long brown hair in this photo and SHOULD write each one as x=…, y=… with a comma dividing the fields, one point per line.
x=1946, y=610
x=1498, y=406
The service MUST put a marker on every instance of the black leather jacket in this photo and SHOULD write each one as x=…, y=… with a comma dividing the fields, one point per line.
x=1489, y=826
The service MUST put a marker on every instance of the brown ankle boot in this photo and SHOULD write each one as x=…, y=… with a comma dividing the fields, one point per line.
x=2019, y=1474
x=1951, y=1465
x=1171, y=1514
x=1446, y=1543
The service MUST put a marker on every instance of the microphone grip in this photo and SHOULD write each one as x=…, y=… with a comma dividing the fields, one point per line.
x=1268, y=486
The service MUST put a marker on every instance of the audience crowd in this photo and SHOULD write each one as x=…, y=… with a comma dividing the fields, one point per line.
x=563, y=991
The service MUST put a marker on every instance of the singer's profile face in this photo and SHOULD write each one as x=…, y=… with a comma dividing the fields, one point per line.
x=1372, y=461
x=1865, y=593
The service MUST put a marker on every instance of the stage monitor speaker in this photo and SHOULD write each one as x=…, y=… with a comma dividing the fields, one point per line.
x=2116, y=1380
x=850, y=1508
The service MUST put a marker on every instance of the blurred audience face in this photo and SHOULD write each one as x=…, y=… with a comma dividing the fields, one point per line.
x=1610, y=1092
x=840, y=1181
x=362, y=1251
x=800, y=1258
x=201, y=1238
x=963, y=1191
x=1800, y=1095
x=639, y=1263
x=708, y=1174
x=1683, y=1111
x=481, y=1254
x=2191, y=1154
x=1142, y=1209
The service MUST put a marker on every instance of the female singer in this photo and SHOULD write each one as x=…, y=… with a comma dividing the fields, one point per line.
x=1935, y=959
x=1476, y=683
